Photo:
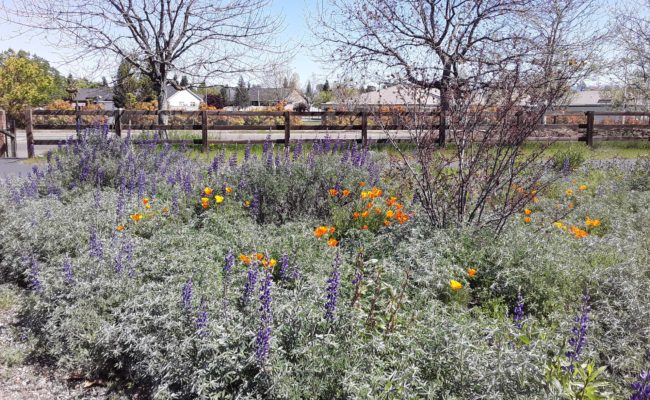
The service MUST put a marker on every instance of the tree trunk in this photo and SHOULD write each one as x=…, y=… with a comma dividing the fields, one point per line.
x=444, y=111
x=163, y=119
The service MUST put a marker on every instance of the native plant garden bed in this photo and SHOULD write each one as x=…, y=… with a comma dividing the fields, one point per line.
x=315, y=274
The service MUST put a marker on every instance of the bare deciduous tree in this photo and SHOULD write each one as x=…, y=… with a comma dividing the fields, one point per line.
x=427, y=43
x=631, y=37
x=195, y=38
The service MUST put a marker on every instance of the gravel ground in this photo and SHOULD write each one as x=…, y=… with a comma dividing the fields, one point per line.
x=21, y=380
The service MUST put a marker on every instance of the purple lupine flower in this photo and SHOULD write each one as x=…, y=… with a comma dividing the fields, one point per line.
x=97, y=196
x=251, y=281
x=327, y=144
x=127, y=256
x=278, y=161
x=202, y=319
x=232, y=162
x=229, y=262
x=267, y=145
x=269, y=159
x=579, y=339
x=263, y=339
x=187, y=184
x=358, y=278
x=333, y=290
x=186, y=297
x=297, y=151
x=247, y=152
x=34, y=275
x=67, y=272
x=519, y=311
x=283, y=272
x=95, y=244
x=642, y=387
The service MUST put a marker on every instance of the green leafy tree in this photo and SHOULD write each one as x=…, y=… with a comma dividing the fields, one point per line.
x=25, y=82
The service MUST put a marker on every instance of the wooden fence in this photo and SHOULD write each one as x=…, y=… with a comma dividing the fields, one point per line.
x=119, y=120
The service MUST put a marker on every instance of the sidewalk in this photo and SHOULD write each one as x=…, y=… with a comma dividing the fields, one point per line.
x=14, y=167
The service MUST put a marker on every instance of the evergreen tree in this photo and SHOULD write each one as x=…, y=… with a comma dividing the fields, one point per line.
x=241, y=95
x=104, y=82
x=326, y=86
x=185, y=82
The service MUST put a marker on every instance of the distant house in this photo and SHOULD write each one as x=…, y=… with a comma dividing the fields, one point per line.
x=389, y=96
x=183, y=99
x=101, y=95
x=589, y=100
x=265, y=97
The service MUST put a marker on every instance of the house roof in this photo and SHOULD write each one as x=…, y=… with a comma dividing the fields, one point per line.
x=273, y=95
x=589, y=98
x=392, y=95
x=100, y=93
x=172, y=91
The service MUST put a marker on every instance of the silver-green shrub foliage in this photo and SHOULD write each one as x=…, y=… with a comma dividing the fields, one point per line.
x=407, y=336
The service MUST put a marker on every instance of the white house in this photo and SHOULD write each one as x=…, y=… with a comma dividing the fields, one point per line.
x=184, y=99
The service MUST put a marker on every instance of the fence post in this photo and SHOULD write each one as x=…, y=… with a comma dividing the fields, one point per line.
x=204, y=130
x=29, y=133
x=117, y=121
x=4, y=147
x=77, y=118
x=12, y=129
x=287, y=128
x=590, y=128
x=364, y=128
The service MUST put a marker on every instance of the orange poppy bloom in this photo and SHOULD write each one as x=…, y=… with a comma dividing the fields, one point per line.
x=362, y=184
x=145, y=201
x=365, y=214
x=386, y=222
x=244, y=259
x=259, y=256
x=391, y=200
x=332, y=242
x=401, y=217
x=228, y=189
x=365, y=227
x=120, y=228
x=320, y=231
x=570, y=206
x=136, y=217
x=369, y=206
x=579, y=233
x=333, y=192
x=583, y=188
x=165, y=210
x=569, y=192
x=390, y=214
x=528, y=211
x=346, y=193
x=592, y=223
x=527, y=220
x=471, y=272
x=356, y=215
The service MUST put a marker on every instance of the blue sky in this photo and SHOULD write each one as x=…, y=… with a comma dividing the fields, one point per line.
x=294, y=12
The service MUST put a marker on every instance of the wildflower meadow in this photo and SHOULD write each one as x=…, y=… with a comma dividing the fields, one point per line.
x=313, y=272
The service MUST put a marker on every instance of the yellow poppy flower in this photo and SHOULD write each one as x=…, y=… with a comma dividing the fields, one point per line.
x=455, y=285
x=208, y=191
x=136, y=217
x=218, y=199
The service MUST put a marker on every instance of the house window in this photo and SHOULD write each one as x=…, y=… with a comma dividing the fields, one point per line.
x=192, y=104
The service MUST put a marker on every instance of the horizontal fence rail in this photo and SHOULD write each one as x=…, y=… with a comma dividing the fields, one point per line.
x=120, y=119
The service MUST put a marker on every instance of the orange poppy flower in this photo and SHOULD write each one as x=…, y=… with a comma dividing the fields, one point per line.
x=365, y=227
x=244, y=259
x=583, y=188
x=332, y=242
x=390, y=214
x=391, y=200
x=356, y=215
x=362, y=184
x=346, y=193
x=527, y=220
x=332, y=229
x=136, y=217
x=259, y=256
x=365, y=214
x=471, y=272
x=120, y=228
x=386, y=222
x=320, y=231
x=333, y=192
x=528, y=211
